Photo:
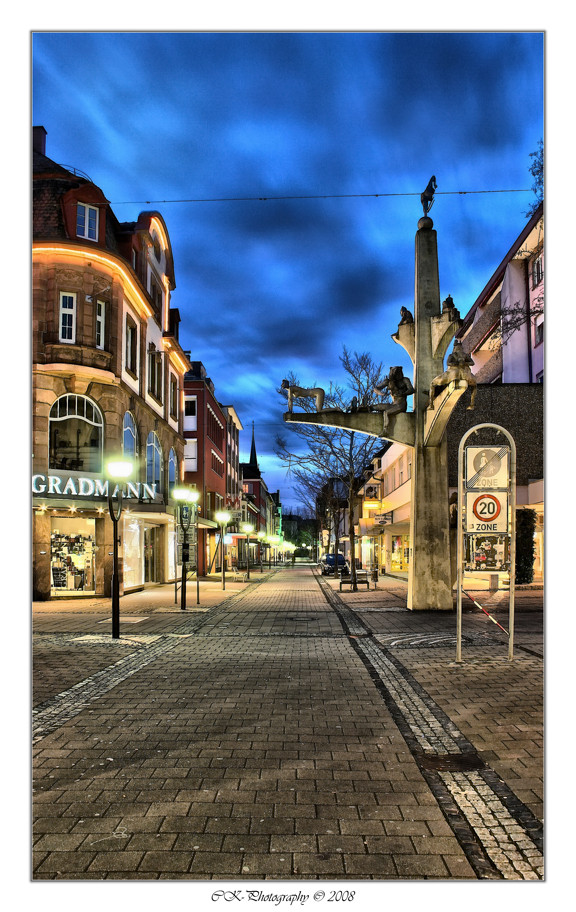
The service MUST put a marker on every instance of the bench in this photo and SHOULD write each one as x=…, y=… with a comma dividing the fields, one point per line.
x=239, y=576
x=361, y=579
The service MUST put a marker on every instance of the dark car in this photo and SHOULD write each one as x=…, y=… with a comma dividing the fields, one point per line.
x=327, y=565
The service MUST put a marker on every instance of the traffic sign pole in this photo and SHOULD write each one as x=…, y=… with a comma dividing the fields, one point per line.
x=487, y=495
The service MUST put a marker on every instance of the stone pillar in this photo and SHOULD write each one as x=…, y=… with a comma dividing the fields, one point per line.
x=41, y=581
x=429, y=580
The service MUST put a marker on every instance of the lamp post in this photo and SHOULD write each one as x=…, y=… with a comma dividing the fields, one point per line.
x=273, y=539
x=261, y=537
x=117, y=470
x=187, y=510
x=223, y=518
x=248, y=528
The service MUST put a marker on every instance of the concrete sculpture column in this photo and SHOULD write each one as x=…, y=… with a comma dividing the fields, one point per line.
x=425, y=338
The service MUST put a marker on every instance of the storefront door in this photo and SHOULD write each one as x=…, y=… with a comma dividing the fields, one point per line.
x=151, y=545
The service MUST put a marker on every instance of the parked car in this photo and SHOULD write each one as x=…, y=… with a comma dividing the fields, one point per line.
x=327, y=565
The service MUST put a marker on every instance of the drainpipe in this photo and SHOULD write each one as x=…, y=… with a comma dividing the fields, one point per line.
x=528, y=318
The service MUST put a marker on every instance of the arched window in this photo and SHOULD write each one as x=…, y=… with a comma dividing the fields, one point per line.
x=154, y=461
x=172, y=470
x=129, y=437
x=76, y=434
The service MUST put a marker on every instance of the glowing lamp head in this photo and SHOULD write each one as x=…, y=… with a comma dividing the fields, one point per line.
x=223, y=517
x=186, y=494
x=119, y=469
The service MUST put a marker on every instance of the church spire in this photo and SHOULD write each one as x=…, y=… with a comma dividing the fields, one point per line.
x=253, y=457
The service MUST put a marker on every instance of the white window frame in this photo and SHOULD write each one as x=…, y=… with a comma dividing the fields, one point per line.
x=191, y=455
x=100, y=323
x=539, y=330
x=131, y=325
x=67, y=311
x=155, y=373
x=174, y=397
x=85, y=233
x=537, y=271
x=191, y=421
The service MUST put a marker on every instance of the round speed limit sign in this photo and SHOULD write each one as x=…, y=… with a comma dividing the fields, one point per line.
x=486, y=507
x=486, y=512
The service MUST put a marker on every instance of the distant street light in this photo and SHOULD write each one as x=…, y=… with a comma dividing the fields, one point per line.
x=187, y=512
x=117, y=471
x=273, y=540
x=248, y=528
x=223, y=518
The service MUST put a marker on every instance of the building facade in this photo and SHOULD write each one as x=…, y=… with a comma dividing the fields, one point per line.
x=206, y=461
x=108, y=374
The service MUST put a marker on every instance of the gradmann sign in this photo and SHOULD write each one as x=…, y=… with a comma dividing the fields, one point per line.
x=89, y=487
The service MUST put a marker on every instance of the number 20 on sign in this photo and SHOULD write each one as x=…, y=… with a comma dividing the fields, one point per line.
x=486, y=512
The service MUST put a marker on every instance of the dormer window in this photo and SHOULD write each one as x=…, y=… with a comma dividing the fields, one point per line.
x=87, y=222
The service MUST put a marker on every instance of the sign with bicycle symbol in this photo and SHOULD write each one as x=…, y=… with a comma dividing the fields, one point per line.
x=486, y=512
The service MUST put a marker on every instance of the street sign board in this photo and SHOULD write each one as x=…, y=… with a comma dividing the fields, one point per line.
x=382, y=518
x=486, y=511
x=487, y=467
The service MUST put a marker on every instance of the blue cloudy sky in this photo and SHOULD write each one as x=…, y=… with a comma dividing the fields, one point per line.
x=264, y=287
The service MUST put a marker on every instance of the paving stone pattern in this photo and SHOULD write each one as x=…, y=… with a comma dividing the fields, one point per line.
x=271, y=737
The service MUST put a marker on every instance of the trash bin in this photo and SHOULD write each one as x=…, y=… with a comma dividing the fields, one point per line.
x=374, y=575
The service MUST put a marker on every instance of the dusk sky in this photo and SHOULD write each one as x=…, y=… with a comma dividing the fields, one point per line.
x=201, y=126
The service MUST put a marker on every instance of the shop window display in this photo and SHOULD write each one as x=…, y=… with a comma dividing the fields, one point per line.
x=400, y=558
x=72, y=555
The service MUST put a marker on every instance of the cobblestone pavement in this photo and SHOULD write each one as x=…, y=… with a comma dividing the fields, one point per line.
x=287, y=731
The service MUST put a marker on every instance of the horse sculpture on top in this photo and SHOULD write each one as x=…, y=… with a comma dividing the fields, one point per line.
x=298, y=392
x=427, y=198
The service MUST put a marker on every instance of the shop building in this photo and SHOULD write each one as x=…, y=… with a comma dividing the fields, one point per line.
x=384, y=527
x=205, y=432
x=108, y=374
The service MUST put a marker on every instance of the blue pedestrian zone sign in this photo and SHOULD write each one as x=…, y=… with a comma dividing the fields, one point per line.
x=185, y=516
x=487, y=468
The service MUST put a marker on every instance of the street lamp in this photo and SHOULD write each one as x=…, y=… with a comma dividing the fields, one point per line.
x=187, y=510
x=261, y=537
x=223, y=518
x=248, y=528
x=117, y=470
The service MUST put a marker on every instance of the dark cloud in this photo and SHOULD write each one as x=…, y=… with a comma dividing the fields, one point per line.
x=265, y=287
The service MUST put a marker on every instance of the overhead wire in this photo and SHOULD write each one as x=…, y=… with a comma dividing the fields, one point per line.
x=258, y=199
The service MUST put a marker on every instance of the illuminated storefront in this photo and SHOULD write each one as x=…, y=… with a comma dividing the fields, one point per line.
x=72, y=537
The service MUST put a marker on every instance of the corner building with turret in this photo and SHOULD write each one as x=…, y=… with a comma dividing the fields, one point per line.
x=108, y=378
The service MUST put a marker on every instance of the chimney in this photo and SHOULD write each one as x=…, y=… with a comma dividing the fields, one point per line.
x=39, y=140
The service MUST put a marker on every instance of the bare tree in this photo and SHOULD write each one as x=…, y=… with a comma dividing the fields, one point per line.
x=322, y=458
x=536, y=169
